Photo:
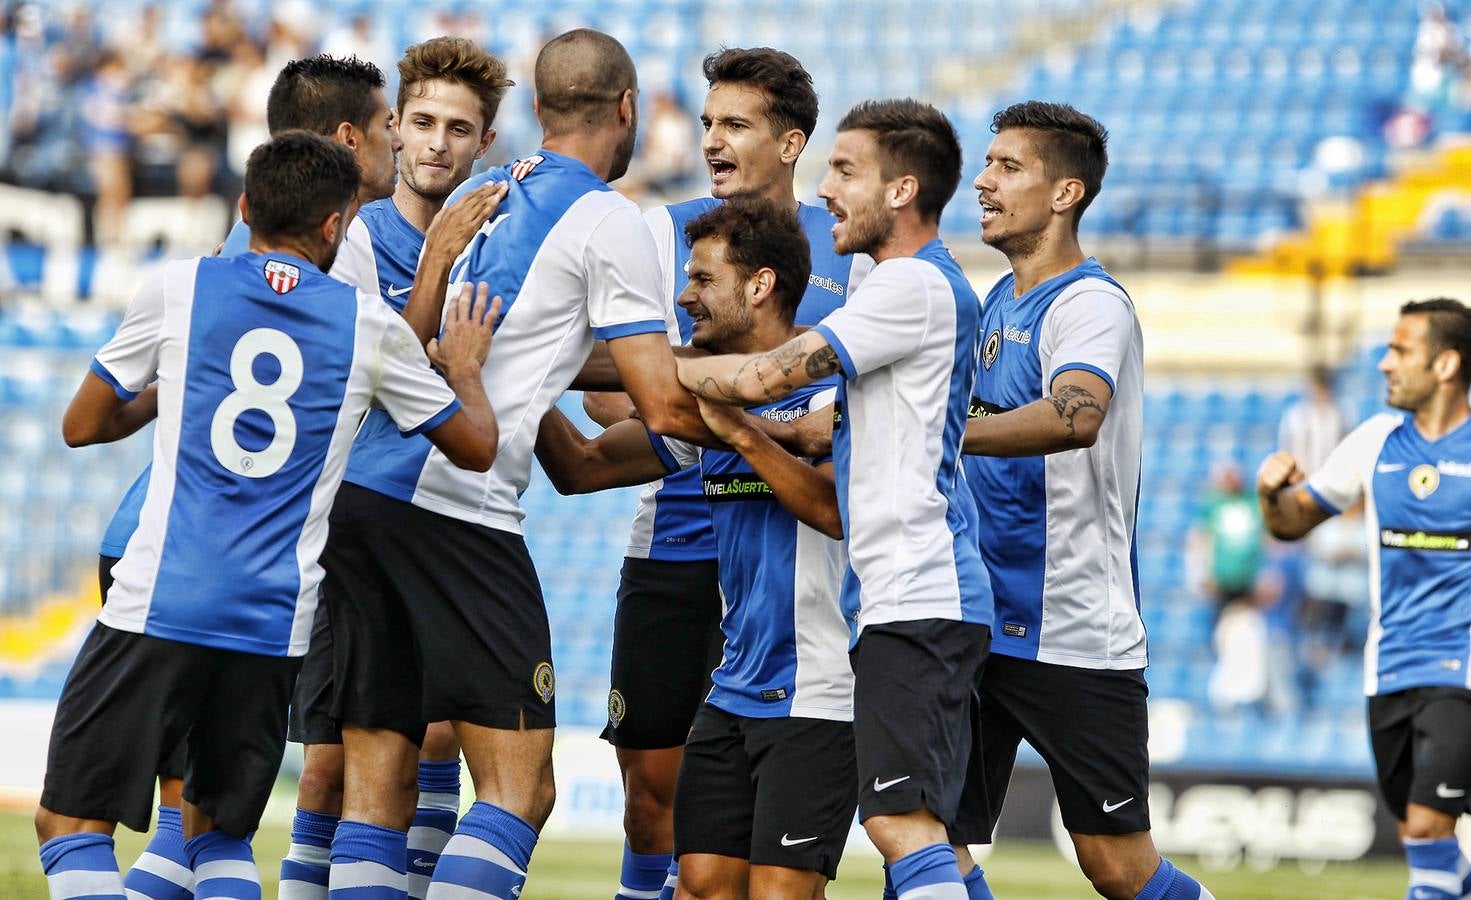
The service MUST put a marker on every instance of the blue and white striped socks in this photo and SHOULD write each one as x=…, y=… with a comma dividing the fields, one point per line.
x=368, y=862
x=308, y=861
x=490, y=852
x=434, y=821
x=81, y=865
x=162, y=872
x=929, y=873
x=1170, y=883
x=223, y=867
x=643, y=875
x=975, y=885
x=671, y=881
x=1437, y=868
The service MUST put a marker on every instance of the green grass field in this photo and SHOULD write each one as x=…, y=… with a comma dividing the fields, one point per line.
x=582, y=870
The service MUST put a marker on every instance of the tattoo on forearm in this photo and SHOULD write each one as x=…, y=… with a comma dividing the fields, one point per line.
x=822, y=363
x=715, y=388
x=1071, y=400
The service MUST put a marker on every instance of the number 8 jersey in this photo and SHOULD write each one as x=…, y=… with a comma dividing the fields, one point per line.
x=265, y=367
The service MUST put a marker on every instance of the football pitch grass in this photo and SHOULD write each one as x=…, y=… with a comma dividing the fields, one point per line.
x=588, y=870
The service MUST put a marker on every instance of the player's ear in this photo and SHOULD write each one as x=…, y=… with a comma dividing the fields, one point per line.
x=792, y=145
x=1447, y=365
x=1068, y=194
x=760, y=285
x=903, y=191
x=244, y=209
x=347, y=135
x=485, y=141
x=627, y=106
x=332, y=227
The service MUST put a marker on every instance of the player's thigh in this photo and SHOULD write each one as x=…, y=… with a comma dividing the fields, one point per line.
x=376, y=660
x=706, y=876
x=912, y=729
x=806, y=793
x=666, y=642
x=238, y=739
x=129, y=700
x=1391, y=737
x=1091, y=726
x=777, y=883
x=1442, y=750
x=715, y=800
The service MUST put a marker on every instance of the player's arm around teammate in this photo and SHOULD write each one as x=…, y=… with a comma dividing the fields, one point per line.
x=83, y=424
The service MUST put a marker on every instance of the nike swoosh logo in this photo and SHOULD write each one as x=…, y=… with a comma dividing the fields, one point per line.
x=399, y=292
x=787, y=841
x=1441, y=790
x=421, y=864
x=1390, y=467
x=1110, y=807
x=885, y=785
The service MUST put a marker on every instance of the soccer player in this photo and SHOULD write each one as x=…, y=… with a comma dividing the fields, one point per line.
x=1058, y=414
x=264, y=366
x=1413, y=474
x=760, y=111
x=766, y=790
x=906, y=344
x=458, y=608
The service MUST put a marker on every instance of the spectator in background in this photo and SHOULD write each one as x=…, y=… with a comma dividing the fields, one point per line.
x=1337, y=571
x=1314, y=425
x=252, y=78
x=670, y=152
x=1225, y=546
x=107, y=112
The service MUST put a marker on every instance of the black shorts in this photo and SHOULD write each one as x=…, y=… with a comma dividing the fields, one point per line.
x=131, y=698
x=311, y=719
x=1422, y=748
x=1091, y=726
x=433, y=619
x=666, y=642
x=916, y=713
x=172, y=765
x=776, y=792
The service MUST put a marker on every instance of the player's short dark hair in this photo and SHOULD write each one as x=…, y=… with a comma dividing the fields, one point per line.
x=915, y=139
x=321, y=92
x=1449, y=329
x=295, y=180
x=458, y=61
x=580, y=75
x=760, y=235
x=1072, y=145
x=791, y=101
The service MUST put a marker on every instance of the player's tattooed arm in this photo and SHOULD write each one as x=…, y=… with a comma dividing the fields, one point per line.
x=1069, y=418
x=749, y=379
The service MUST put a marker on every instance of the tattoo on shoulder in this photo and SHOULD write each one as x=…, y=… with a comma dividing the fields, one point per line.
x=1071, y=400
x=822, y=363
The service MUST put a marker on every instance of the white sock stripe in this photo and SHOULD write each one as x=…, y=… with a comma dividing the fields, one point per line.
x=308, y=855
x=422, y=836
x=239, y=869
x=418, y=886
x=84, y=882
x=446, y=801
x=475, y=848
x=671, y=880
x=135, y=895
x=443, y=890
x=166, y=869
x=626, y=891
x=1449, y=882
x=364, y=873
x=947, y=890
x=291, y=889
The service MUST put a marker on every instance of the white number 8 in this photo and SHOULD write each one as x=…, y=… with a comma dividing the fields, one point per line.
x=268, y=398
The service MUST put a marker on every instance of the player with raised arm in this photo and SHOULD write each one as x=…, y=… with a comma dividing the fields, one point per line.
x=1413, y=474
x=759, y=113
x=264, y=366
x=460, y=605
x=906, y=345
x=766, y=790
x=1057, y=413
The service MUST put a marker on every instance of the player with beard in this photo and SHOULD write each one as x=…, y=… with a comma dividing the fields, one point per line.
x=906, y=345
x=460, y=605
x=1057, y=423
x=759, y=113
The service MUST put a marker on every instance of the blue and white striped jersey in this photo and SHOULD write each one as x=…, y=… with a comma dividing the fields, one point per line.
x=786, y=642
x=265, y=366
x=1057, y=531
x=672, y=521
x=573, y=261
x=908, y=341
x=1417, y=518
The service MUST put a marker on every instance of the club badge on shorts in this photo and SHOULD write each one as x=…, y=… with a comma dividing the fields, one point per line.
x=281, y=276
x=544, y=681
x=1424, y=480
x=617, y=707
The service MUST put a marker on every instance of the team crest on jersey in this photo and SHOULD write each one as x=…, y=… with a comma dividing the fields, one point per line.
x=617, y=708
x=1424, y=480
x=281, y=276
x=545, y=682
x=992, y=348
x=522, y=167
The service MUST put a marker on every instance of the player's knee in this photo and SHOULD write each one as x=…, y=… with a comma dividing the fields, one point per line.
x=1112, y=876
x=647, y=812
x=702, y=884
x=440, y=742
x=543, y=798
x=320, y=787
x=1425, y=824
x=45, y=823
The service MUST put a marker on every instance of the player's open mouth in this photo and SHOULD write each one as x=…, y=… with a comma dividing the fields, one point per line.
x=989, y=212
x=720, y=168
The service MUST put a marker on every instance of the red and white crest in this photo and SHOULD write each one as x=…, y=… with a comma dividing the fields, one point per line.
x=281, y=276
x=522, y=167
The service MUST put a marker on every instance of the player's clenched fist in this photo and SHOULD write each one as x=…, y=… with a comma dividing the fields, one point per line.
x=465, y=340
x=1277, y=472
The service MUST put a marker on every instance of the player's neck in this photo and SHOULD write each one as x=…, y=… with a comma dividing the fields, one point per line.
x=1048, y=259
x=909, y=235
x=297, y=248
x=416, y=209
x=762, y=337
x=782, y=194
x=595, y=150
x=1443, y=414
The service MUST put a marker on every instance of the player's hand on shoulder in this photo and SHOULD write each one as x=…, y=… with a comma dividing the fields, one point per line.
x=464, y=344
x=1278, y=471
x=724, y=421
x=453, y=226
